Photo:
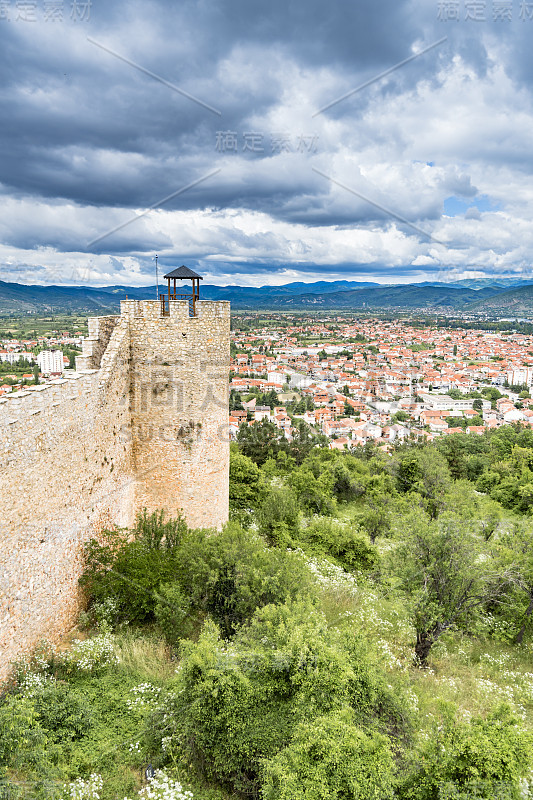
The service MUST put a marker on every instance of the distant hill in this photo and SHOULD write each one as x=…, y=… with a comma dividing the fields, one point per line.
x=515, y=302
x=17, y=297
x=408, y=297
x=327, y=295
x=481, y=283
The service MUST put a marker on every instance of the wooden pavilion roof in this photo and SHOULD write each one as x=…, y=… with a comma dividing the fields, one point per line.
x=183, y=272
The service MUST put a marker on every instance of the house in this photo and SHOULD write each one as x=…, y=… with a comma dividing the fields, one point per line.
x=261, y=412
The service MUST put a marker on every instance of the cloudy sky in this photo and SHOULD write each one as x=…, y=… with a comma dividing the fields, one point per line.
x=262, y=143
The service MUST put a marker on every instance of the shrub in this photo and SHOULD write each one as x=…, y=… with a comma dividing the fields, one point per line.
x=376, y=521
x=62, y=714
x=331, y=758
x=314, y=494
x=22, y=738
x=346, y=486
x=237, y=705
x=172, y=613
x=351, y=549
x=162, y=787
x=225, y=574
x=83, y=789
x=156, y=532
x=128, y=572
x=89, y=655
x=279, y=517
x=483, y=758
x=230, y=574
x=106, y=614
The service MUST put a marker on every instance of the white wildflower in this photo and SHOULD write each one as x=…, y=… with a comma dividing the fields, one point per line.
x=81, y=789
x=145, y=696
x=91, y=654
x=161, y=787
x=34, y=682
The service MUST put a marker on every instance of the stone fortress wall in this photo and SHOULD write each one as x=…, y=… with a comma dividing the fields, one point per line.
x=142, y=423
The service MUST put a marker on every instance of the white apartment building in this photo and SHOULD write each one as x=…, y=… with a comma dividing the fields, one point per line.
x=13, y=356
x=50, y=361
x=519, y=376
x=443, y=402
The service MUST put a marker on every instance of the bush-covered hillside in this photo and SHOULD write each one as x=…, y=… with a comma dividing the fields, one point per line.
x=362, y=628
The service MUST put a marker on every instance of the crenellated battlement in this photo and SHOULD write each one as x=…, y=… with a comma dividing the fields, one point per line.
x=178, y=310
x=20, y=406
x=95, y=344
x=141, y=424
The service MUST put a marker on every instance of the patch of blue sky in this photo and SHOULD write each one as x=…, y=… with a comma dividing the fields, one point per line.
x=454, y=206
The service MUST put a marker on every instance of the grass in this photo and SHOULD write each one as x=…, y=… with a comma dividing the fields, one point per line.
x=148, y=657
x=476, y=674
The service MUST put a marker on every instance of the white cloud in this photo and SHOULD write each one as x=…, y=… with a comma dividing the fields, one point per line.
x=451, y=126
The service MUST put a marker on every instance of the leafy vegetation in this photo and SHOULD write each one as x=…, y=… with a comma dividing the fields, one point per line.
x=361, y=628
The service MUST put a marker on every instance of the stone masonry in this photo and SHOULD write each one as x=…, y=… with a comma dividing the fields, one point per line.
x=142, y=423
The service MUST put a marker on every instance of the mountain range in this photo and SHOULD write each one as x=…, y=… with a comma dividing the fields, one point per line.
x=500, y=296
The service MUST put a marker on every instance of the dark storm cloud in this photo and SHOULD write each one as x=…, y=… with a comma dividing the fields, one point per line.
x=68, y=107
x=82, y=128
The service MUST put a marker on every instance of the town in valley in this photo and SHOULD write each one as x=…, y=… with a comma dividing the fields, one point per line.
x=353, y=380
x=370, y=380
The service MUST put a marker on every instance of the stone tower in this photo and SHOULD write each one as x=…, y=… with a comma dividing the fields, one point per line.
x=142, y=423
x=179, y=408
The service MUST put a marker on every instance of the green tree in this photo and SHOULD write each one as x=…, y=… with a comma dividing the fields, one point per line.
x=236, y=708
x=314, y=494
x=244, y=483
x=271, y=399
x=408, y=472
x=279, y=516
x=261, y=441
x=230, y=574
x=303, y=441
x=455, y=394
x=400, y=416
x=434, y=481
x=131, y=570
x=375, y=520
x=489, y=516
x=349, y=476
x=235, y=401
x=516, y=552
x=446, y=582
x=456, y=422
x=424, y=471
